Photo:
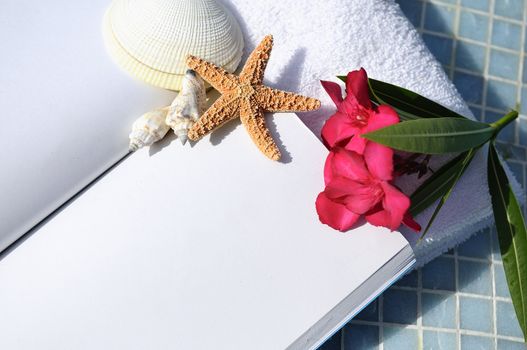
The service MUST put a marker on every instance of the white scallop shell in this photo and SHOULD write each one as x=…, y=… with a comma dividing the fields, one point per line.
x=188, y=106
x=151, y=38
x=149, y=128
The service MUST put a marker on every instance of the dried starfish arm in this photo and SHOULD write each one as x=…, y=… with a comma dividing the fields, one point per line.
x=272, y=100
x=253, y=119
x=219, y=78
x=253, y=71
x=222, y=110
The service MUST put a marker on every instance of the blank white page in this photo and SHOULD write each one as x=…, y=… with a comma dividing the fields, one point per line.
x=206, y=247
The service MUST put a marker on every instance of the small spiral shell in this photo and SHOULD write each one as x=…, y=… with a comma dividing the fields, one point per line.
x=148, y=128
x=188, y=106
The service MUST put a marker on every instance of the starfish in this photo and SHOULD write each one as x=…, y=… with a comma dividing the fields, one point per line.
x=246, y=97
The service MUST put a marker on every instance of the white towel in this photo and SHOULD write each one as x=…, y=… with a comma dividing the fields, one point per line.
x=317, y=40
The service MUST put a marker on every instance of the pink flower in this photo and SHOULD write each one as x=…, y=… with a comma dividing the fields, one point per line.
x=355, y=114
x=360, y=185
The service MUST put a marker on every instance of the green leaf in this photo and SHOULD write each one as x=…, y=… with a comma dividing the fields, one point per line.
x=451, y=183
x=408, y=104
x=409, y=101
x=436, y=185
x=512, y=236
x=433, y=135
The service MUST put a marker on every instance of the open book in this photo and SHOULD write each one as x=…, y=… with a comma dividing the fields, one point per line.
x=209, y=246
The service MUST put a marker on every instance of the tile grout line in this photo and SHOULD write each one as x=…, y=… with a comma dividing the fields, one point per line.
x=449, y=292
x=486, y=62
x=455, y=36
x=441, y=330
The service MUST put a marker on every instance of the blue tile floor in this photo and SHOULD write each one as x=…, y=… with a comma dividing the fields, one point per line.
x=460, y=300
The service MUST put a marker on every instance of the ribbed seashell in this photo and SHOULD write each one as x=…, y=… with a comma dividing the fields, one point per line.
x=152, y=38
x=188, y=106
x=148, y=128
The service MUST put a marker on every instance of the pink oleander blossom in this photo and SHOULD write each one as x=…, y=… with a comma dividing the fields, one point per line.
x=361, y=185
x=355, y=114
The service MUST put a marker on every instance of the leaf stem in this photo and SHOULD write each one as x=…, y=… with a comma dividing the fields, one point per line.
x=504, y=121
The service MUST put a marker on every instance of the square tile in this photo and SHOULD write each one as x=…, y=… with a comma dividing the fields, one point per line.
x=396, y=338
x=333, y=343
x=400, y=306
x=509, y=8
x=475, y=314
x=473, y=26
x=409, y=280
x=439, y=341
x=504, y=64
x=438, y=310
x=470, y=342
x=359, y=337
x=506, y=34
x=482, y=5
x=439, y=274
x=440, y=47
x=475, y=277
x=501, y=95
x=478, y=246
x=507, y=323
x=412, y=9
x=369, y=313
x=511, y=345
x=501, y=282
x=469, y=86
x=507, y=134
x=470, y=56
x=439, y=18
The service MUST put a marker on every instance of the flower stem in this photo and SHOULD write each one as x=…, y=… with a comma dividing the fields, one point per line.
x=504, y=121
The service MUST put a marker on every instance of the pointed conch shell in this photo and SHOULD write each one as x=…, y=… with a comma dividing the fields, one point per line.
x=188, y=106
x=149, y=128
x=151, y=38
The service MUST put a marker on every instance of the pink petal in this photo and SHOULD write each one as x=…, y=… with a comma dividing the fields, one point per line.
x=357, y=85
x=333, y=90
x=395, y=204
x=356, y=196
x=340, y=187
x=337, y=129
x=334, y=214
x=379, y=160
x=341, y=162
x=361, y=199
x=349, y=106
x=356, y=144
x=383, y=117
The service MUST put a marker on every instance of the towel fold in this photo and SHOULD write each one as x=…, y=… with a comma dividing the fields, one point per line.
x=316, y=40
